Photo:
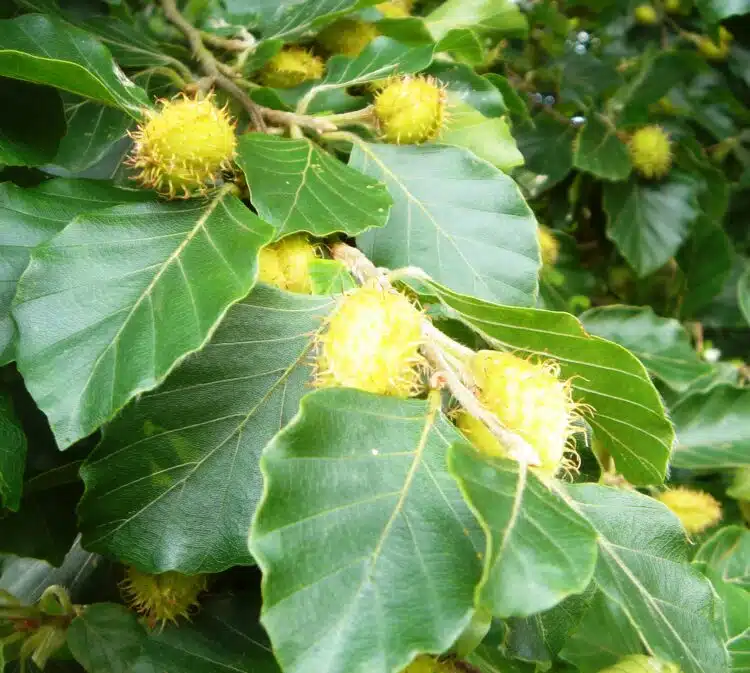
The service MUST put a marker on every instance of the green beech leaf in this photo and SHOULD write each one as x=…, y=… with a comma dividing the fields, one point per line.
x=743, y=290
x=547, y=145
x=455, y=216
x=291, y=19
x=140, y=287
x=464, y=84
x=488, y=138
x=187, y=453
x=106, y=638
x=522, y=521
x=297, y=186
x=31, y=123
x=713, y=429
x=491, y=657
x=511, y=98
x=648, y=222
x=628, y=417
x=661, y=344
x=12, y=454
x=329, y=276
x=718, y=10
x=29, y=217
x=494, y=17
x=643, y=569
x=379, y=59
x=706, y=262
x=463, y=43
x=726, y=554
x=736, y=618
x=224, y=637
x=44, y=49
x=364, y=475
x=598, y=150
x=93, y=130
x=604, y=636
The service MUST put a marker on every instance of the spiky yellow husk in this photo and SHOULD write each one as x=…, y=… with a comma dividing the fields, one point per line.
x=162, y=598
x=710, y=49
x=286, y=264
x=696, y=510
x=183, y=147
x=347, y=36
x=395, y=9
x=410, y=109
x=371, y=342
x=427, y=664
x=651, y=152
x=549, y=245
x=528, y=399
x=640, y=663
x=290, y=67
x=646, y=15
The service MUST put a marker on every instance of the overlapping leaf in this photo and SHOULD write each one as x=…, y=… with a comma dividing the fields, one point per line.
x=726, y=554
x=175, y=480
x=643, y=569
x=291, y=19
x=360, y=525
x=45, y=49
x=547, y=145
x=662, y=344
x=29, y=217
x=713, y=429
x=297, y=186
x=523, y=522
x=743, y=290
x=627, y=416
x=12, y=454
x=598, y=150
x=496, y=17
x=649, y=222
x=122, y=296
x=455, y=216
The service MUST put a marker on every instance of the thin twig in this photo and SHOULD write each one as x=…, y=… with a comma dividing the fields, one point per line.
x=209, y=63
x=436, y=350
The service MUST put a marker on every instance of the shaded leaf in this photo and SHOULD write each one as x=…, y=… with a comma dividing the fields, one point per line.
x=459, y=218
x=662, y=344
x=140, y=286
x=44, y=49
x=706, y=262
x=12, y=454
x=743, y=291
x=106, y=638
x=643, y=569
x=717, y=10
x=512, y=99
x=31, y=123
x=464, y=84
x=225, y=637
x=29, y=217
x=488, y=138
x=713, y=429
x=726, y=554
x=297, y=186
x=522, y=520
x=547, y=145
x=187, y=453
x=648, y=222
x=598, y=150
x=395, y=518
x=603, y=637
x=628, y=417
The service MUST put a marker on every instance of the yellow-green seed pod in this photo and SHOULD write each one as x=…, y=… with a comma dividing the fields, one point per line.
x=183, y=147
x=395, y=9
x=162, y=598
x=696, y=510
x=410, y=110
x=424, y=663
x=347, y=36
x=528, y=399
x=651, y=152
x=286, y=264
x=646, y=15
x=710, y=49
x=290, y=67
x=371, y=342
